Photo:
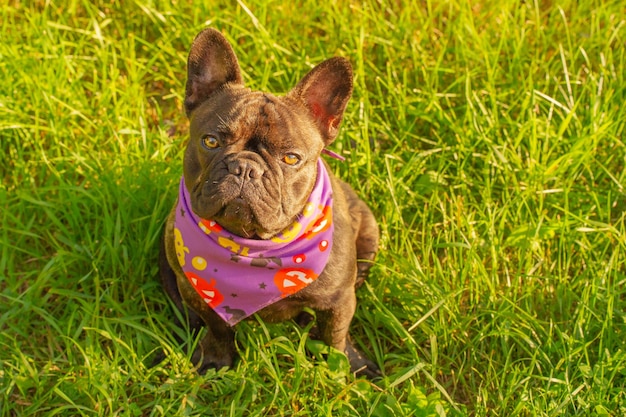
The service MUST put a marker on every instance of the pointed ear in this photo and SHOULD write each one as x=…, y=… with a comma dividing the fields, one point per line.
x=325, y=92
x=211, y=64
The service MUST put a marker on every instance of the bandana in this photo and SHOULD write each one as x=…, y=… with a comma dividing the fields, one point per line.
x=236, y=276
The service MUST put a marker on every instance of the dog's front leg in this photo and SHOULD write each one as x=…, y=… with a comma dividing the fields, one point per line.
x=333, y=326
x=217, y=348
x=334, y=323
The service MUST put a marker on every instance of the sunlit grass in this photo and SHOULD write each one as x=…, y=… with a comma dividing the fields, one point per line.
x=487, y=138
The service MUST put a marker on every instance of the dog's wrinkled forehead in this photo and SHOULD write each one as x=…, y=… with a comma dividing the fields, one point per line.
x=247, y=115
x=257, y=112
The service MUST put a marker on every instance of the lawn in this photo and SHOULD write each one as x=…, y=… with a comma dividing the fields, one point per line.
x=488, y=138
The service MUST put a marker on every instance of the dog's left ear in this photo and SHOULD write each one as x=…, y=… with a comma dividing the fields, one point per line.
x=212, y=63
x=325, y=92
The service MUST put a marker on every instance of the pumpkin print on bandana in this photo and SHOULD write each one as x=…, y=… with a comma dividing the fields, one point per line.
x=238, y=277
x=291, y=280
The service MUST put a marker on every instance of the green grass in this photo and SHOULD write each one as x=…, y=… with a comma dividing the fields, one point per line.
x=488, y=137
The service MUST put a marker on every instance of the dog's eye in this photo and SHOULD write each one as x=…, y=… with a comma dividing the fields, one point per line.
x=291, y=159
x=210, y=142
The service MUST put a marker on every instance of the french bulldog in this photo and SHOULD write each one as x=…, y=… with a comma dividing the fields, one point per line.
x=261, y=225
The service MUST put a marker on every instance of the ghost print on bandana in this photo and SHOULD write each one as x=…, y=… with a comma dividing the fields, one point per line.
x=237, y=277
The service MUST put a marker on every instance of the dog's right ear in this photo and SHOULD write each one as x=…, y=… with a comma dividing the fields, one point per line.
x=211, y=65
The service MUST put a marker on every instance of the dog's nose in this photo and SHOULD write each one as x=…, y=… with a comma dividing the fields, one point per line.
x=245, y=169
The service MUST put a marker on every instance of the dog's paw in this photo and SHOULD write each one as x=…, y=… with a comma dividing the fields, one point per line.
x=360, y=365
x=205, y=359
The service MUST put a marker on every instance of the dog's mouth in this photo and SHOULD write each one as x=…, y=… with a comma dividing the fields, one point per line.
x=249, y=209
x=241, y=218
x=238, y=217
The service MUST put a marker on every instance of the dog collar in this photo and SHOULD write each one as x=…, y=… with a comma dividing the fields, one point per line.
x=333, y=154
x=237, y=276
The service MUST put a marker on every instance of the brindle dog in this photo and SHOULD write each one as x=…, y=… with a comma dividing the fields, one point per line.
x=250, y=165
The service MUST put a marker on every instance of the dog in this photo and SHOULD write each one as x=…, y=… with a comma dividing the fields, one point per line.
x=261, y=225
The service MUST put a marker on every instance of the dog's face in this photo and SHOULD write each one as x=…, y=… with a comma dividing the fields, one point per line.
x=251, y=160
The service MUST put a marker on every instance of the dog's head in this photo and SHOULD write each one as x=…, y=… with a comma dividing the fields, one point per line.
x=251, y=160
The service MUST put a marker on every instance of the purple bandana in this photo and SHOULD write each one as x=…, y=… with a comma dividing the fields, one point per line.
x=236, y=276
